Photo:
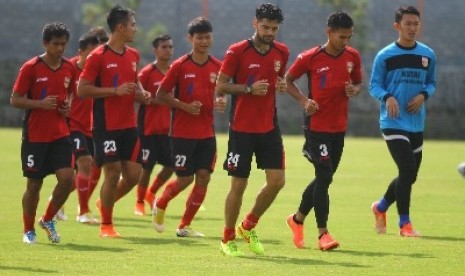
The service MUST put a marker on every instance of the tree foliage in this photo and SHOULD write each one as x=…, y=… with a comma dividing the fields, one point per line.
x=357, y=9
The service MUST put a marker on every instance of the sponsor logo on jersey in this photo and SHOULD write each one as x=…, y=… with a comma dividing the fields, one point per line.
x=42, y=79
x=321, y=70
x=254, y=65
x=112, y=65
x=191, y=75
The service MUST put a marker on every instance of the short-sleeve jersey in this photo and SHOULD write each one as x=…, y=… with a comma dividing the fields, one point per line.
x=245, y=65
x=80, y=118
x=155, y=118
x=192, y=82
x=106, y=68
x=327, y=77
x=37, y=80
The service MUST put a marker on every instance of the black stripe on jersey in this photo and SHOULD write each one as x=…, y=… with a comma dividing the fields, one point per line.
x=99, y=110
x=410, y=61
x=141, y=119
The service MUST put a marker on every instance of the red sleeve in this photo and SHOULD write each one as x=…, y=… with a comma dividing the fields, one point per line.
x=171, y=77
x=356, y=75
x=143, y=77
x=230, y=62
x=23, y=82
x=298, y=68
x=282, y=72
x=92, y=68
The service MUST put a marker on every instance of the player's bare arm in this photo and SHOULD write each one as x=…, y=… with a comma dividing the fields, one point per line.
x=352, y=89
x=166, y=98
x=18, y=101
x=142, y=96
x=224, y=86
x=309, y=105
x=415, y=103
x=88, y=89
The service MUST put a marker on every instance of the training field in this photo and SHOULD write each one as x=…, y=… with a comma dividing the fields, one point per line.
x=438, y=207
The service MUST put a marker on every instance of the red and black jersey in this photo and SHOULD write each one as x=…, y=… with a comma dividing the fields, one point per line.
x=154, y=118
x=192, y=82
x=327, y=77
x=37, y=80
x=245, y=65
x=106, y=68
x=80, y=118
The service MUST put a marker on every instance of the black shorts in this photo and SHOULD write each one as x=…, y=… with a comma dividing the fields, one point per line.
x=191, y=155
x=41, y=159
x=156, y=149
x=83, y=145
x=268, y=148
x=117, y=145
x=324, y=148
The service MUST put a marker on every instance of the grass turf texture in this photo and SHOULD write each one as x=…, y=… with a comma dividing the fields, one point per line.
x=438, y=205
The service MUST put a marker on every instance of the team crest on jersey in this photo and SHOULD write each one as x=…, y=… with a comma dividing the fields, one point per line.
x=424, y=61
x=67, y=81
x=213, y=77
x=350, y=67
x=134, y=66
x=277, y=65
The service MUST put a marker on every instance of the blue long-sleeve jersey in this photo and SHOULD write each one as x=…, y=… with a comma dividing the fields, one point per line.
x=403, y=73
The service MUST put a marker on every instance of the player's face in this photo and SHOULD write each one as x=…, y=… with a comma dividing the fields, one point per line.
x=164, y=51
x=408, y=27
x=87, y=51
x=201, y=43
x=340, y=38
x=266, y=30
x=55, y=48
x=129, y=30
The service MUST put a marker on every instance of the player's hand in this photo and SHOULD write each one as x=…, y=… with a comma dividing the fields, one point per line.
x=125, y=89
x=193, y=107
x=392, y=107
x=49, y=102
x=260, y=88
x=415, y=103
x=351, y=90
x=311, y=107
x=281, y=85
x=146, y=97
x=220, y=103
x=65, y=108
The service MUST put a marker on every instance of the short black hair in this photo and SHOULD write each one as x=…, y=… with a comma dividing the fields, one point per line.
x=269, y=11
x=87, y=39
x=118, y=15
x=340, y=20
x=405, y=10
x=55, y=29
x=101, y=34
x=199, y=25
x=160, y=38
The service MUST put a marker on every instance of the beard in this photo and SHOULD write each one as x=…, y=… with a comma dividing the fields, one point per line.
x=265, y=40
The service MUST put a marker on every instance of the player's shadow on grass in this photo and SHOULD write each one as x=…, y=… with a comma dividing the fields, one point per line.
x=162, y=240
x=442, y=238
x=300, y=261
x=84, y=247
x=26, y=270
x=381, y=254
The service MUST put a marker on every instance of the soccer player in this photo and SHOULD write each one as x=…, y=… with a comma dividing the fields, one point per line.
x=154, y=126
x=42, y=88
x=80, y=124
x=403, y=77
x=334, y=75
x=193, y=78
x=110, y=77
x=252, y=72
